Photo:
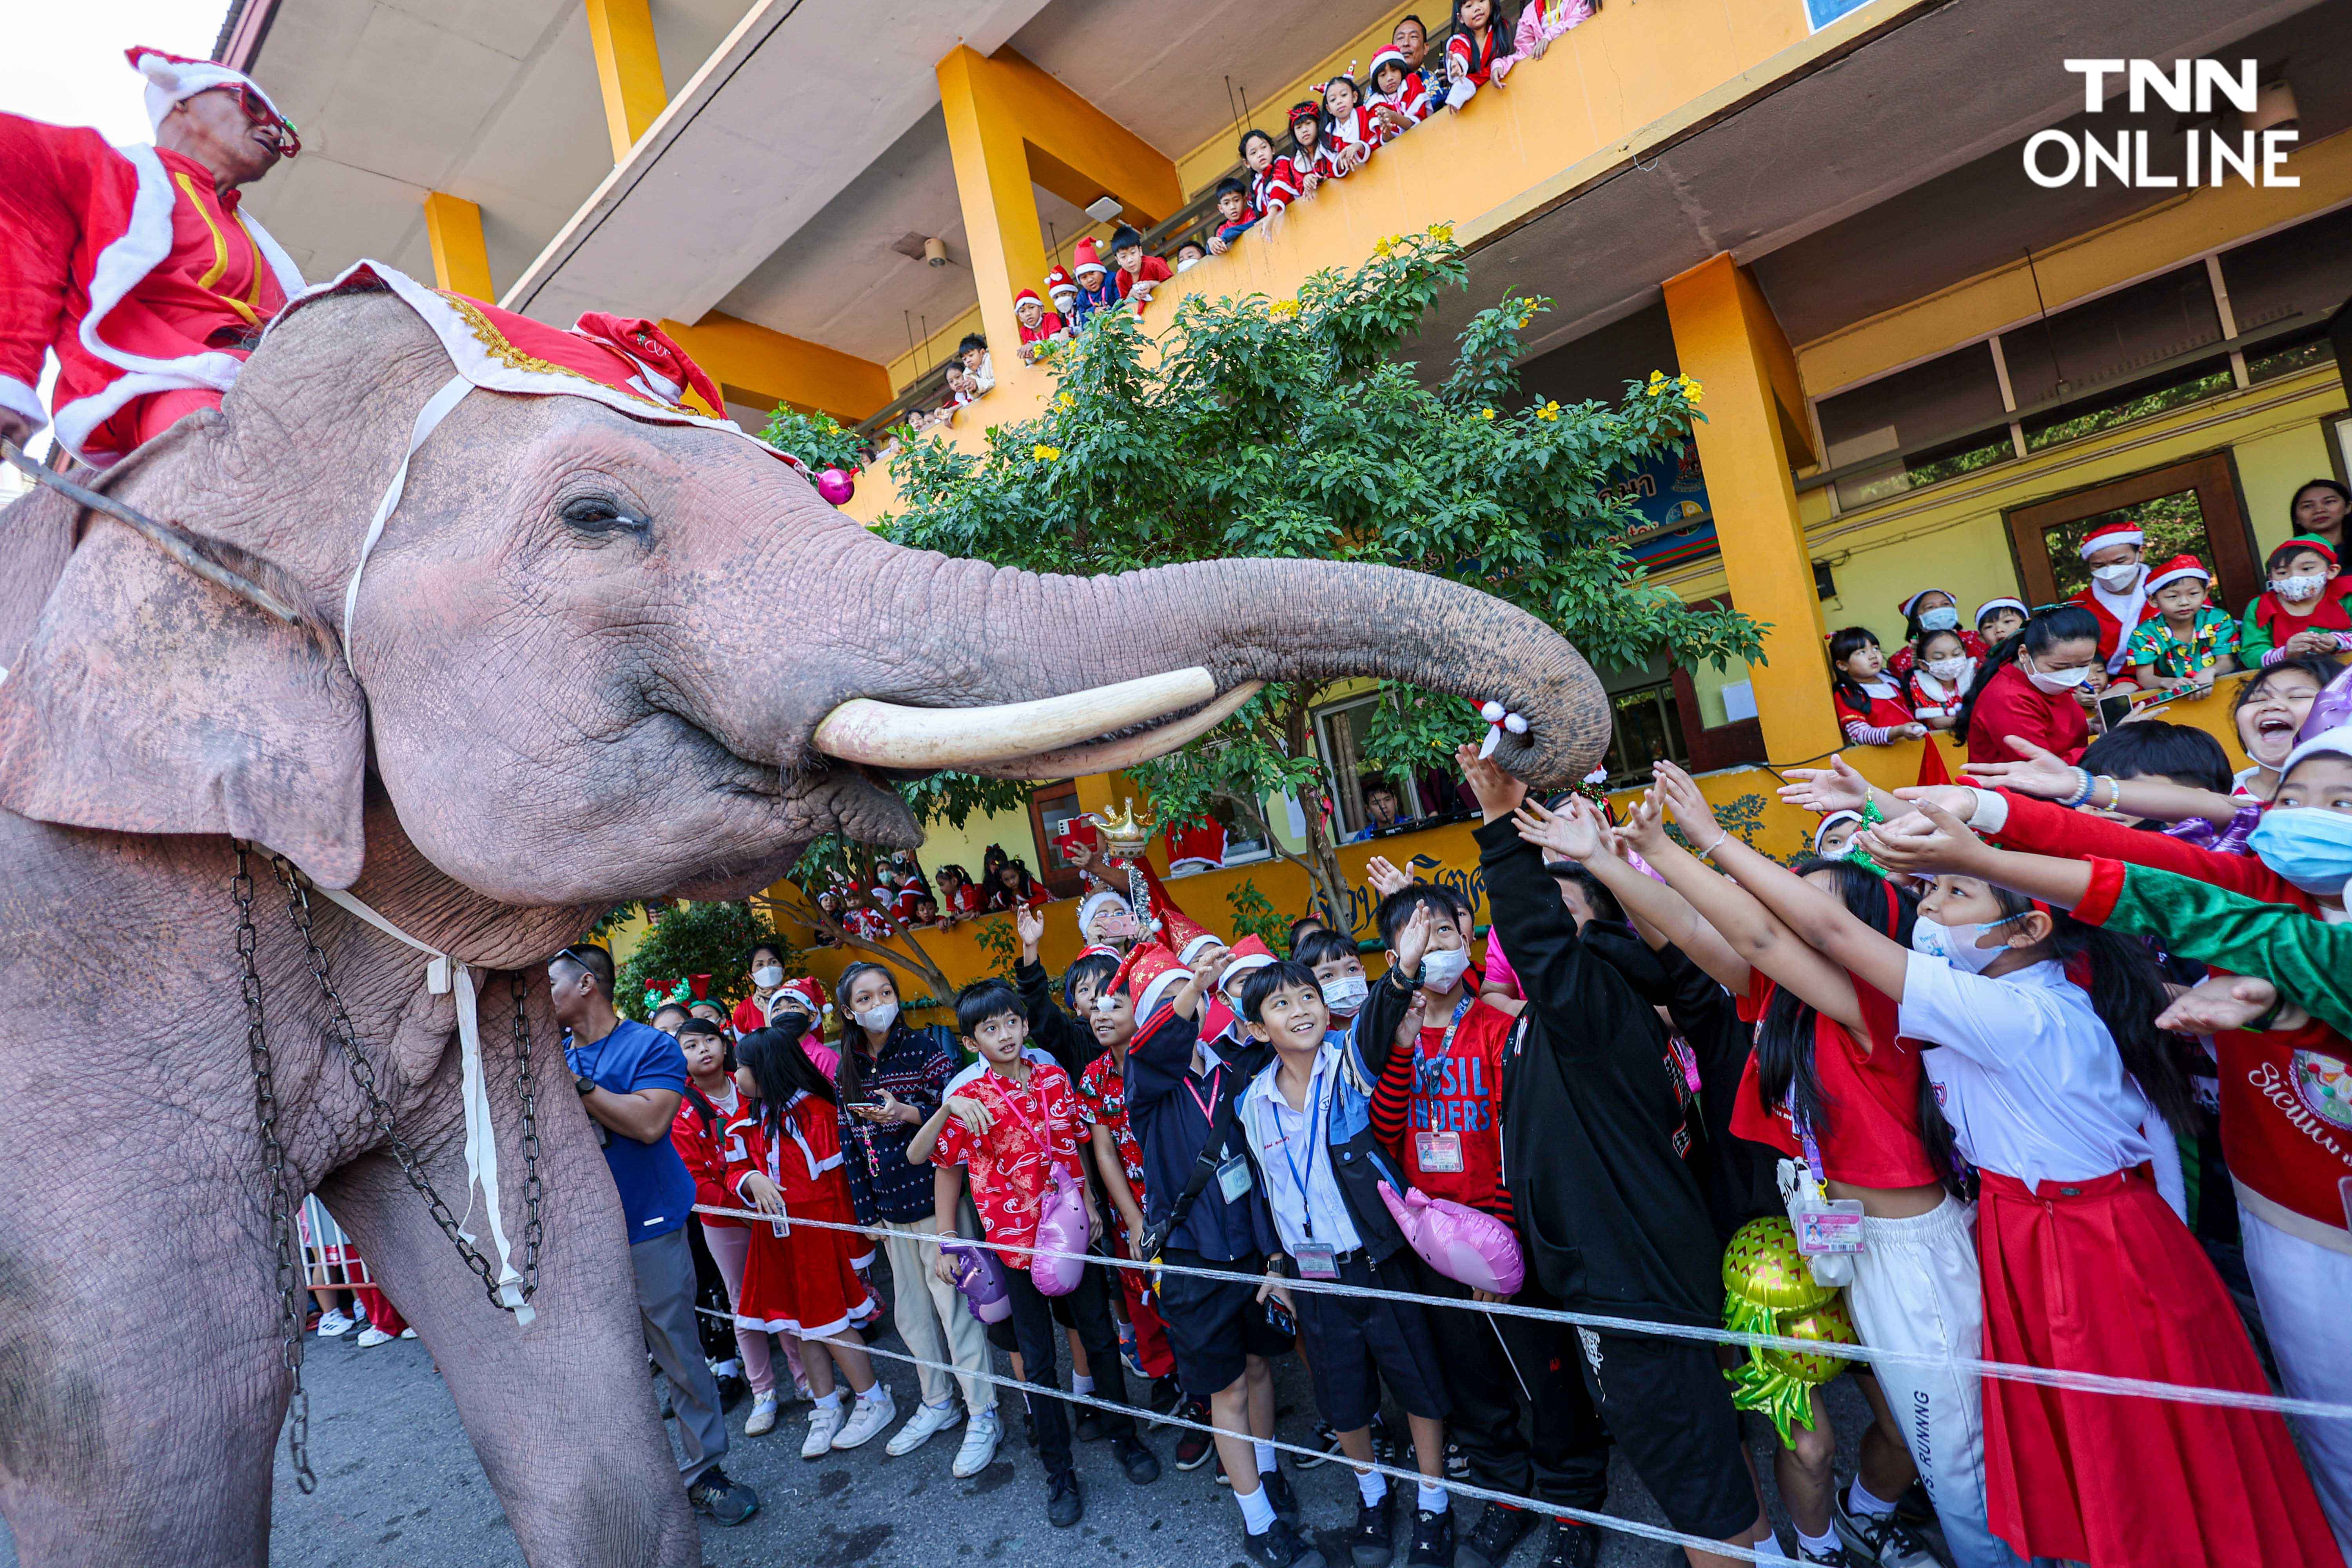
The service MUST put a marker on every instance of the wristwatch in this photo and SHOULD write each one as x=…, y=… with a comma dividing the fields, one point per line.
x=584, y=1084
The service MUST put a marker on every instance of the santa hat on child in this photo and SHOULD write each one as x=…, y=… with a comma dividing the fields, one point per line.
x=2114, y=533
x=1059, y=285
x=1388, y=57
x=2180, y=566
x=1085, y=259
x=1095, y=903
x=1098, y=950
x=173, y=78
x=1187, y=936
x=1148, y=975
x=1250, y=953
x=1990, y=606
x=1904, y=609
x=1030, y=294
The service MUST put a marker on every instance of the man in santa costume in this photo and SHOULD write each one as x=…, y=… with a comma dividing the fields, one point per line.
x=134, y=264
x=2118, y=596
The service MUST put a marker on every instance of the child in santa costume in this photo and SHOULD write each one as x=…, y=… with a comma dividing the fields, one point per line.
x=2299, y=600
x=783, y=1158
x=1475, y=53
x=134, y=265
x=1871, y=709
x=2118, y=596
x=1312, y=159
x=1399, y=99
x=1274, y=182
x=1350, y=129
x=1063, y=289
x=1096, y=292
x=1039, y=326
x=1934, y=610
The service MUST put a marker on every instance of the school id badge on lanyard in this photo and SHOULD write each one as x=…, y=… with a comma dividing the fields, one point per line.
x=1825, y=1227
x=1315, y=1259
x=1440, y=1153
x=1232, y=1172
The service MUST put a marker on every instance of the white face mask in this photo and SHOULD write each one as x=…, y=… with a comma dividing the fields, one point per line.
x=877, y=1020
x=2117, y=579
x=1957, y=946
x=768, y=977
x=2057, y=680
x=1441, y=971
x=2295, y=590
x=1186, y=263
x=1945, y=618
x=1345, y=994
x=1948, y=669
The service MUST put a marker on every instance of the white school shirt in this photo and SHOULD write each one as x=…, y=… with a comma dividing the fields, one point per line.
x=2030, y=1078
x=1278, y=1137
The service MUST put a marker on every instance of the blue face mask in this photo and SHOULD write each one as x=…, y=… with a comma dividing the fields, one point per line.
x=1957, y=946
x=2308, y=846
x=1943, y=619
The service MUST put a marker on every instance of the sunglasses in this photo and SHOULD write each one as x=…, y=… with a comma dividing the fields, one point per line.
x=289, y=140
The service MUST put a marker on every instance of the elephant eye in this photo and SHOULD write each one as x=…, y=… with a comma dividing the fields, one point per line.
x=600, y=517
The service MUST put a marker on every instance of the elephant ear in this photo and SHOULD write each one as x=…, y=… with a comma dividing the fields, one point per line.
x=148, y=700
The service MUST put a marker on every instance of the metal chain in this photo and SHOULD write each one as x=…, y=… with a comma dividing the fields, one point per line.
x=346, y=1039
x=290, y=1274
x=531, y=1226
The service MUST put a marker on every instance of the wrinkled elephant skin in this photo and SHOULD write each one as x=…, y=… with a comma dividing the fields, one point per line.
x=589, y=661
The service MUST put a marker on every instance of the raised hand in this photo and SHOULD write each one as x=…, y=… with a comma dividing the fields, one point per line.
x=1383, y=878
x=2218, y=1002
x=1926, y=842
x=1412, y=941
x=1572, y=832
x=1690, y=807
x=1499, y=792
x=2043, y=774
x=1823, y=789
x=1958, y=799
x=1645, y=827
x=1030, y=926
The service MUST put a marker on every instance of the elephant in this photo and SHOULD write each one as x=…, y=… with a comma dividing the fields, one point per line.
x=593, y=658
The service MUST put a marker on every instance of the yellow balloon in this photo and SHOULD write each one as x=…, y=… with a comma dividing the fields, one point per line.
x=1762, y=1268
x=1769, y=1289
x=1827, y=1324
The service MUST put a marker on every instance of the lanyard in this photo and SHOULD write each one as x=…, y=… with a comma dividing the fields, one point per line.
x=1044, y=1145
x=1318, y=1100
x=1813, y=1148
x=1208, y=1106
x=1446, y=1046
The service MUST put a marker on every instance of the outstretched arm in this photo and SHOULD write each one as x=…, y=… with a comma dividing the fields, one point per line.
x=1796, y=918
x=1574, y=833
x=2045, y=775
x=1934, y=840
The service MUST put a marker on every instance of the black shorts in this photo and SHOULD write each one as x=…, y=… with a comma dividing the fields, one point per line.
x=1355, y=1343
x=1215, y=1325
x=1000, y=1335
x=1669, y=1407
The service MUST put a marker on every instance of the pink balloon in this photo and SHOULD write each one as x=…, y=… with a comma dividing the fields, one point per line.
x=2331, y=709
x=835, y=486
x=981, y=1278
x=1061, y=1227
x=1465, y=1245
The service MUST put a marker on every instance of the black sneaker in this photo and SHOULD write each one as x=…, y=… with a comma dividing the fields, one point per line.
x=722, y=1502
x=1432, y=1539
x=1089, y=1426
x=1327, y=1440
x=1914, y=1508
x=1164, y=1399
x=1141, y=1465
x=1193, y=1447
x=1280, y=1547
x=1372, y=1542
x=1457, y=1464
x=1063, y=1506
x=1571, y=1545
x=1278, y=1493
x=1835, y=1557
x=1499, y=1533
x=1877, y=1541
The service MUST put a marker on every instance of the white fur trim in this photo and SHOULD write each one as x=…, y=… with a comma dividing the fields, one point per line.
x=77, y=419
x=2176, y=574
x=18, y=398
x=289, y=277
x=1094, y=904
x=170, y=80
x=1190, y=953
x=2108, y=539
x=1240, y=967
x=145, y=244
x=1157, y=989
x=2333, y=743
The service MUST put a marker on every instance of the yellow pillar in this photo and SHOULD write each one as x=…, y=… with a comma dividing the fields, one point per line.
x=764, y=368
x=453, y=227
x=1726, y=338
x=1010, y=126
x=628, y=69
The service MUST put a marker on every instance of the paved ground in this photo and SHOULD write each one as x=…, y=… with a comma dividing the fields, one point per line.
x=400, y=1488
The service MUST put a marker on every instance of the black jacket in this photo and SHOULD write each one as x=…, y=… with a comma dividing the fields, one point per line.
x=1611, y=1215
x=1070, y=1043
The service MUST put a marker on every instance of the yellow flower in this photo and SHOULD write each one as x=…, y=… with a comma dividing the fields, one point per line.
x=1442, y=233
x=1657, y=383
x=1691, y=388
x=1283, y=310
x=1486, y=414
x=1551, y=410
x=1066, y=401
x=1386, y=248
x=1044, y=454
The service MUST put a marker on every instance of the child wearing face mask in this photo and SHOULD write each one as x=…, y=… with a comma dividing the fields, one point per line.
x=2029, y=688
x=2299, y=612
x=2059, y=1088
x=1338, y=970
x=1869, y=708
x=1932, y=610
x=1940, y=677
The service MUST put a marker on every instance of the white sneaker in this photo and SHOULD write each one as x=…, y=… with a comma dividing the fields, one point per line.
x=929, y=1420
x=824, y=1422
x=371, y=1335
x=868, y=1419
x=763, y=1416
x=979, y=1448
x=332, y=1324
x=409, y=1333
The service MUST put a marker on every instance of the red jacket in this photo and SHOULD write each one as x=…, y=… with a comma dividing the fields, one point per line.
x=1275, y=189
x=2012, y=705
x=1153, y=270
x=703, y=1145
x=133, y=269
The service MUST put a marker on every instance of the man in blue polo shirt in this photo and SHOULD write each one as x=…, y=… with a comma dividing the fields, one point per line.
x=631, y=1077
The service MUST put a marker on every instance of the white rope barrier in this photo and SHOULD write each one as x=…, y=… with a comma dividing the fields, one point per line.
x=2046, y=1377
x=1658, y=1532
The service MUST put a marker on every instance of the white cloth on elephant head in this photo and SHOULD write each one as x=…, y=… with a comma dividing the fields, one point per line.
x=446, y=975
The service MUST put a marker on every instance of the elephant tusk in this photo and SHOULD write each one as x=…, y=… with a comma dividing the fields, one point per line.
x=891, y=735
x=1109, y=756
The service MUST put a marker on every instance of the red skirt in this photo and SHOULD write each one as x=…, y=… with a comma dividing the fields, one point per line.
x=807, y=1283
x=2102, y=1276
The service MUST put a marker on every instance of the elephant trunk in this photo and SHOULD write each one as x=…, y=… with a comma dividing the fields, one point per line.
x=1021, y=676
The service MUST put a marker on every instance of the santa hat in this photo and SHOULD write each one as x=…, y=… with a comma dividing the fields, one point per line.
x=1147, y=975
x=1098, y=950
x=808, y=990
x=1186, y=936
x=1388, y=57
x=1030, y=294
x=2180, y=566
x=1095, y=904
x=1823, y=831
x=1085, y=259
x=1990, y=606
x=2114, y=533
x=1904, y=609
x=2304, y=542
x=2337, y=742
x=171, y=77
x=1058, y=283
x=1250, y=953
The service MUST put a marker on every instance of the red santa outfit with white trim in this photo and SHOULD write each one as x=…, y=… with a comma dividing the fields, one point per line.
x=1411, y=97
x=807, y=1281
x=144, y=279
x=2118, y=613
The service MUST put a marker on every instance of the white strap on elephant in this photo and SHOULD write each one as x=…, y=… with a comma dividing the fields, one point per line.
x=442, y=975
x=428, y=419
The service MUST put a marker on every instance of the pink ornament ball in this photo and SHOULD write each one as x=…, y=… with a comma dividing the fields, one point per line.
x=835, y=486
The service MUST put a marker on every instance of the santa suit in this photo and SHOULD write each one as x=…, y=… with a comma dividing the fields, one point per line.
x=1321, y=162
x=2117, y=614
x=1275, y=189
x=1356, y=128
x=1411, y=100
x=146, y=281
